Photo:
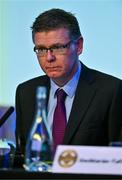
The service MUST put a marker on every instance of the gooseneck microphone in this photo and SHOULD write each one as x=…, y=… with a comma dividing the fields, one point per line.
x=6, y=115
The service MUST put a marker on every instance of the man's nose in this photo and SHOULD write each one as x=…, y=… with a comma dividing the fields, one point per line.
x=50, y=55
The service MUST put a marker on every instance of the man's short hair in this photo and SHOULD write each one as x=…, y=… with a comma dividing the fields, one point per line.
x=54, y=19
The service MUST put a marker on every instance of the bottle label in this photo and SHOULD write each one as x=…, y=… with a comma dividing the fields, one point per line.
x=36, y=145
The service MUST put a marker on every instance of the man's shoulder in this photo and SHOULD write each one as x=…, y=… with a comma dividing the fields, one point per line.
x=100, y=75
x=100, y=78
x=34, y=82
x=106, y=76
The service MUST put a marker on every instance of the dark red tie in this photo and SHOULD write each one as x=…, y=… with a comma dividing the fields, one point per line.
x=59, y=119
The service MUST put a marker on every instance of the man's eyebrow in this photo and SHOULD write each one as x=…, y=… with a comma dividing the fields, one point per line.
x=40, y=46
x=53, y=45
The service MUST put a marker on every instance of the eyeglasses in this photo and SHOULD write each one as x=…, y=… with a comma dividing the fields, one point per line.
x=58, y=49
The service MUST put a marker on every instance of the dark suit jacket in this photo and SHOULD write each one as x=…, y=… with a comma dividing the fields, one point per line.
x=96, y=114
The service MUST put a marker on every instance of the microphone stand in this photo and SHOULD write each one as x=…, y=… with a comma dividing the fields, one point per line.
x=5, y=116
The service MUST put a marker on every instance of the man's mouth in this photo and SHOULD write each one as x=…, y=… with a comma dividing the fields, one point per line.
x=54, y=68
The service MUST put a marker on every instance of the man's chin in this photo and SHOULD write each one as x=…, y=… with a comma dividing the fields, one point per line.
x=54, y=75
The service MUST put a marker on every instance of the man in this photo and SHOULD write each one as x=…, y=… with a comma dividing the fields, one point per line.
x=94, y=99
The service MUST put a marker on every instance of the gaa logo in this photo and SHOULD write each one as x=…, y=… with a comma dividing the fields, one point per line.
x=67, y=158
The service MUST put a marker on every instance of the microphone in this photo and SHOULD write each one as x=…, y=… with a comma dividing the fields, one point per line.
x=6, y=115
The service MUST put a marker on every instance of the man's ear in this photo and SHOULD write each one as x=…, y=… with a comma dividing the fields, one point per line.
x=79, y=46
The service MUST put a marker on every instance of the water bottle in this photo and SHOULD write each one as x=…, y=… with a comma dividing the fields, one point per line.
x=38, y=153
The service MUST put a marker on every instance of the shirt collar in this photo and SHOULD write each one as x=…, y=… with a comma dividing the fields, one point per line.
x=70, y=87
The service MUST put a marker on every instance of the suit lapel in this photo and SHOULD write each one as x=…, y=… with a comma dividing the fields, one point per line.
x=84, y=94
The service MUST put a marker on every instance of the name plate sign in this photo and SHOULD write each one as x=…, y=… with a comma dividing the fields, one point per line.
x=88, y=160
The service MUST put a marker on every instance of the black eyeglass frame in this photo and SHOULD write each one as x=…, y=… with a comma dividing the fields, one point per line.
x=52, y=49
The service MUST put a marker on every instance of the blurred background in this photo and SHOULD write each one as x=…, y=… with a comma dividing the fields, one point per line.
x=101, y=26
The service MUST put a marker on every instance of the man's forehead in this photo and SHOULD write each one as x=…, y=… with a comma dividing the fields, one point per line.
x=51, y=37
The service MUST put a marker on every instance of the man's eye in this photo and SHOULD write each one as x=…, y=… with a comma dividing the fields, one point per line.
x=58, y=47
x=41, y=49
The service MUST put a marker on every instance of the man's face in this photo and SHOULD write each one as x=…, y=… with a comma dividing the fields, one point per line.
x=60, y=67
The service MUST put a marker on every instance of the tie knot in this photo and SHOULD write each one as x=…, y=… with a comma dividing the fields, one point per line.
x=61, y=95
